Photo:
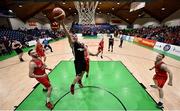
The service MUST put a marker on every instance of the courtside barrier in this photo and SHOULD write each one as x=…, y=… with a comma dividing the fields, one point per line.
x=145, y=42
x=33, y=42
x=167, y=48
x=172, y=49
x=128, y=38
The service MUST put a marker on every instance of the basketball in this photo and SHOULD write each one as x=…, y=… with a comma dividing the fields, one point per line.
x=58, y=14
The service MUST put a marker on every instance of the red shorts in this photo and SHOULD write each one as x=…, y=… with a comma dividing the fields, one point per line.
x=161, y=80
x=44, y=81
x=100, y=49
x=87, y=65
x=41, y=53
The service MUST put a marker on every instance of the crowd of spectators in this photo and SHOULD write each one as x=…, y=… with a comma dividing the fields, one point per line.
x=23, y=36
x=93, y=29
x=170, y=35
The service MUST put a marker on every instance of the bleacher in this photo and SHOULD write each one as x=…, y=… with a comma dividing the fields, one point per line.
x=12, y=35
x=93, y=29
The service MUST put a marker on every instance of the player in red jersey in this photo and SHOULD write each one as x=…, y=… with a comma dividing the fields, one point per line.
x=160, y=77
x=37, y=70
x=40, y=50
x=101, y=47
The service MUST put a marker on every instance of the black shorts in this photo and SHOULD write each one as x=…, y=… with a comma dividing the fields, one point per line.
x=111, y=44
x=80, y=66
x=18, y=50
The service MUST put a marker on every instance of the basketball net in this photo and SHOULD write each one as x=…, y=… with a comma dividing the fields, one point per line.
x=86, y=11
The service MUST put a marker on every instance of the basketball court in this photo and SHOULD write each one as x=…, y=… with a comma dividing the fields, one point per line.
x=99, y=91
x=119, y=81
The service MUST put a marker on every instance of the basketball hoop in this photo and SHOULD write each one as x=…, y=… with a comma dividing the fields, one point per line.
x=86, y=11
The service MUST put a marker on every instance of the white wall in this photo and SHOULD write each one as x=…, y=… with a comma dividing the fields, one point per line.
x=17, y=23
x=136, y=26
x=46, y=26
x=173, y=20
x=112, y=17
x=146, y=21
x=102, y=18
x=122, y=25
x=38, y=24
x=151, y=24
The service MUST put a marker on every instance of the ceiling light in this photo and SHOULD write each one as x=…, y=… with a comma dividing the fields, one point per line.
x=63, y=3
x=75, y=13
x=112, y=8
x=127, y=19
x=70, y=8
x=163, y=8
x=139, y=15
x=98, y=8
x=20, y=6
x=100, y=3
x=108, y=13
x=118, y=3
x=10, y=11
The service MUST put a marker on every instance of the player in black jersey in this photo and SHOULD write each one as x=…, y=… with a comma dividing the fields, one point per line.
x=17, y=46
x=111, y=43
x=79, y=62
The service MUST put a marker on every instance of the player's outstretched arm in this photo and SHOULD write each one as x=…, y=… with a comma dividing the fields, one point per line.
x=92, y=54
x=152, y=68
x=67, y=33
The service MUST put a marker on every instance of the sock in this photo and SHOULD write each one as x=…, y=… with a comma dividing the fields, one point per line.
x=161, y=100
x=48, y=99
x=44, y=87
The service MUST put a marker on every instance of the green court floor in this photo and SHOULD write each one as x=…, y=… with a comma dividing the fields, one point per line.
x=110, y=86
